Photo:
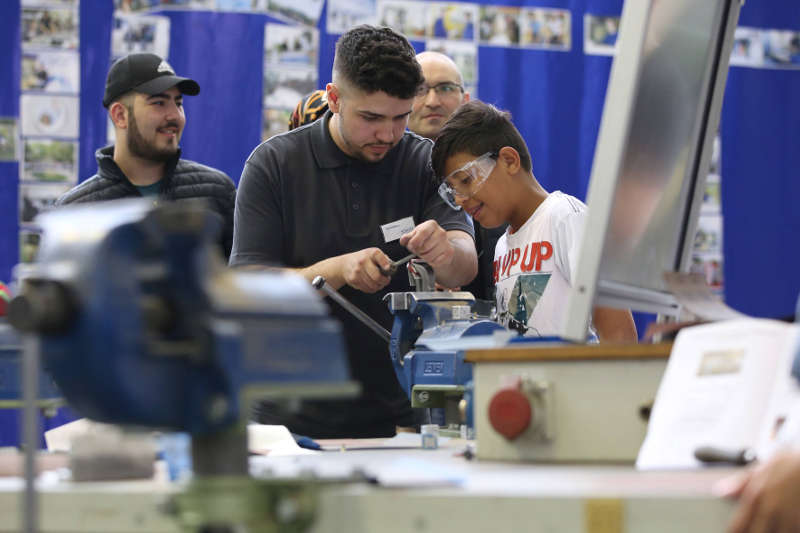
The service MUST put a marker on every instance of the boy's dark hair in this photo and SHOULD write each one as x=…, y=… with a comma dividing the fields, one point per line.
x=477, y=128
x=378, y=59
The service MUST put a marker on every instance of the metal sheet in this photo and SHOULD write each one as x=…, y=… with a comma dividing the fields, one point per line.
x=655, y=142
x=657, y=176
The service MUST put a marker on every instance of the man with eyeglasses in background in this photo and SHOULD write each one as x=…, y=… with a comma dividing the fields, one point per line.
x=441, y=95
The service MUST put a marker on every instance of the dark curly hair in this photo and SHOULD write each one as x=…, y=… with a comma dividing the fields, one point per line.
x=477, y=128
x=378, y=59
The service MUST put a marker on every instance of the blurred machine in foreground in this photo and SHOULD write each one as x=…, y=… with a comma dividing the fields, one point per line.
x=139, y=323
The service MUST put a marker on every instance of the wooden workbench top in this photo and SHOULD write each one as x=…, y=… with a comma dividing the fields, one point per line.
x=569, y=352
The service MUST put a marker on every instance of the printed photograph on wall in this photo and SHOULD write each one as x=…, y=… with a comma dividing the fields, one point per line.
x=710, y=266
x=135, y=6
x=546, y=28
x=748, y=48
x=36, y=198
x=28, y=246
x=709, y=233
x=46, y=27
x=716, y=156
x=49, y=116
x=274, y=121
x=204, y=5
x=711, y=195
x=50, y=3
x=600, y=34
x=464, y=54
x=306, y=12
x=50, y=160
x=781, y=48
x=238, y=5
x=707, y=253
x=290, y=46
x=452, y=21
x=140, y=33
x=284, y=87
x=56, y=71
x=499, y=26
x=8, y=139
x=408, y=18
x=345, y=14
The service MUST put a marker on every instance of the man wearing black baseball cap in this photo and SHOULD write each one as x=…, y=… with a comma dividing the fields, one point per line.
x=144, y=98
x=144, y=73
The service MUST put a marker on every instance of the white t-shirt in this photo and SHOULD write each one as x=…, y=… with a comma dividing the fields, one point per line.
x=534, y=265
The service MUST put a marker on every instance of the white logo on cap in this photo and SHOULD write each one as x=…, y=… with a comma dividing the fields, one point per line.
x=164, y=67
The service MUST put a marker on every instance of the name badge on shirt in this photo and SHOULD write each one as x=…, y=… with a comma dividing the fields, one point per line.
x=394, y=230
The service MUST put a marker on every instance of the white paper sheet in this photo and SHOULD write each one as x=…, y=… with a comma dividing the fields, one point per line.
x=273, y=440
x=727, y=385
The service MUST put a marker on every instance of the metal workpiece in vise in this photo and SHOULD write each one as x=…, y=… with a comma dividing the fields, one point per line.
x=140, y=323
x=424, y=317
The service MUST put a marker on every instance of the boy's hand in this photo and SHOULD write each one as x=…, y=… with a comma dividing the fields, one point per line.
x=429, y=241
x=362, y=269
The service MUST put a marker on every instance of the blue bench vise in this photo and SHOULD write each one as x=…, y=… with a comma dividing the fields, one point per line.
x=431, y=377
x=141, y=323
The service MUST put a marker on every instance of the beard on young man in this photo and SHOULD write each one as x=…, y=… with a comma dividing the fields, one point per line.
x=146, y=149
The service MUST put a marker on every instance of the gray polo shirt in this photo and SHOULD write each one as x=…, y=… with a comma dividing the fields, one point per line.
x=301, y=200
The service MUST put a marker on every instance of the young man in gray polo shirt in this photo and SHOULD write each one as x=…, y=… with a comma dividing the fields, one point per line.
x=314, y=200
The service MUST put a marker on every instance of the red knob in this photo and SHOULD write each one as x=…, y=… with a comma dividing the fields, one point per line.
x=510, y=412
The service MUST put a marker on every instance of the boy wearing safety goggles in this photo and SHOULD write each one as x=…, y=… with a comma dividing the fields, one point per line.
x=485, y=169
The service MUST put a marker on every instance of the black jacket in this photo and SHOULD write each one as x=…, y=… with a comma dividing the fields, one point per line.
x=183, y=179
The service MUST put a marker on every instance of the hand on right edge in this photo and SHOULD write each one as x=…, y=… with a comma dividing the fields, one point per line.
x=768, y=494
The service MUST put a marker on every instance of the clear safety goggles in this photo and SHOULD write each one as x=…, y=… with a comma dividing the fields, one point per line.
x=464, y=182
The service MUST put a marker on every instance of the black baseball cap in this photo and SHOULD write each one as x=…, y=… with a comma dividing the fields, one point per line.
x=144, y=73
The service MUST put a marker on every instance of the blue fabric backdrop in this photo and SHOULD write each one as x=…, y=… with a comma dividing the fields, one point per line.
x=10, y=64
x=556, y=99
